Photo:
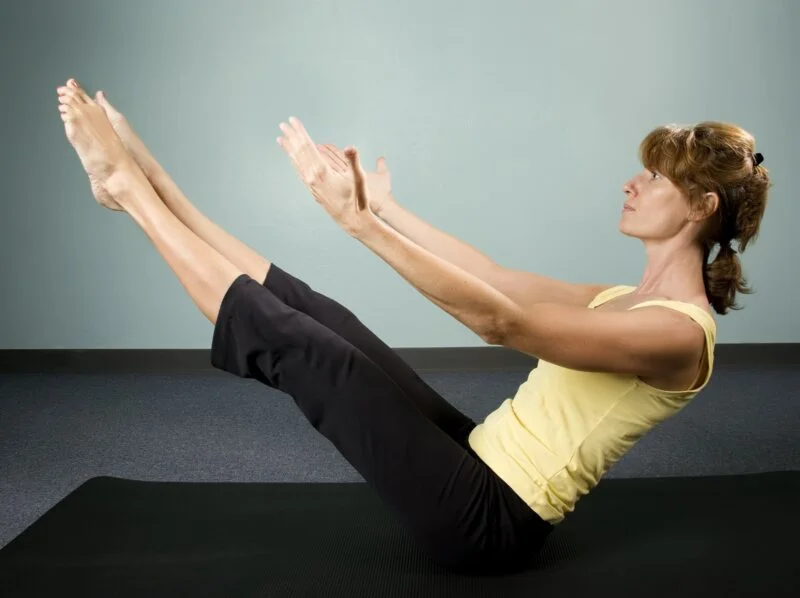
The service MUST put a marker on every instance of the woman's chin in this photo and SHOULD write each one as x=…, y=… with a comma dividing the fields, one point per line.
x=627, y=230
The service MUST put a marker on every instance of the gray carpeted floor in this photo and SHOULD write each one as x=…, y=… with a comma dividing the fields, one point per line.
x=57, y=431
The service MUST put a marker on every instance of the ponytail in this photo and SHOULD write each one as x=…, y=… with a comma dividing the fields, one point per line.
x=724, y=279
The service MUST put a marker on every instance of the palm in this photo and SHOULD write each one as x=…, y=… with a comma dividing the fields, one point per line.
x=378, y=183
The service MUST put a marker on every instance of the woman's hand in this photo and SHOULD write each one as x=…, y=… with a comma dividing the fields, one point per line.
x=344, y=195
x=379, y=183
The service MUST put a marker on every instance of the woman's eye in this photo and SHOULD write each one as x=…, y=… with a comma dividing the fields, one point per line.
x=654, y=173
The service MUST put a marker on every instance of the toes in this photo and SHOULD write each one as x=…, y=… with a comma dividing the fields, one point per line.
x=98, y=99
x=68, y=96
x=68, y=103
x=83, y=96
x=102, y=101
x=73, y=84
x=80, y=95
x=67, y=114
x=65, y=106
x=71, y=97
x=75, y=88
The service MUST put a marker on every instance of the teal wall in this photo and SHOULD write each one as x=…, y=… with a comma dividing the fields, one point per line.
x=511, y=125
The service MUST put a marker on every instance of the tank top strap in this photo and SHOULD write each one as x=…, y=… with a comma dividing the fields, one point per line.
x=610, y=293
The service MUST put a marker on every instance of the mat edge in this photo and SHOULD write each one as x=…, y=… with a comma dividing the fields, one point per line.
x=168, y=361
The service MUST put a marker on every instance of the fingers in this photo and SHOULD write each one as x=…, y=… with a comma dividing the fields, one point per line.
x=334, y=151
x=300, y=130
x=291, y=145
x=302, y=150
x=334, y=156
x=296, y=137
x=308, y=149
x=359, y=178
x=289, y=139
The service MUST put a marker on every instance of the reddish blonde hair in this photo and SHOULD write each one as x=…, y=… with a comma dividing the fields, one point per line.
x=715, y=157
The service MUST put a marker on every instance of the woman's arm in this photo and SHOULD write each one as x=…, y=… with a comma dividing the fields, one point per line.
x=438, y=242
x=345, y=196
x=470, y=300
x=643, y=342
x=384, y=204
x=523, y=288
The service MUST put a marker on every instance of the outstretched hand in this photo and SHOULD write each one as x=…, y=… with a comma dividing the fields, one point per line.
x=344, y=195
x=378, y=182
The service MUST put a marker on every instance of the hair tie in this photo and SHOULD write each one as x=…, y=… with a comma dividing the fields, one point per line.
x=728, y=246
x=758, y=158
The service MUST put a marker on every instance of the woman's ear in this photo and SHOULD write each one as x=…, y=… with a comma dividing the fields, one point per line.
x=709, y=204
x=711, y=200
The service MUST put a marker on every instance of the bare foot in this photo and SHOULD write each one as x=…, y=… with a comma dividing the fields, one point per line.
x=89, y=131
x=132, y=142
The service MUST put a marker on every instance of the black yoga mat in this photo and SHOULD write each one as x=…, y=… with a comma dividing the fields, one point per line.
x=728, y=535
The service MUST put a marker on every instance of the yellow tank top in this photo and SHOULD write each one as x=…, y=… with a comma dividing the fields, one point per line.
x=565, y=428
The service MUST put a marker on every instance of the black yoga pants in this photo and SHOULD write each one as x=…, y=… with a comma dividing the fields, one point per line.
x=406, y=441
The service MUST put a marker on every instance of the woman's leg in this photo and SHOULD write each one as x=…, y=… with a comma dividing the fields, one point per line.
x=118, y=182
x=299, y=295
x=239, y=254
x=204, y=273
x=463, y=515
x=289, y=289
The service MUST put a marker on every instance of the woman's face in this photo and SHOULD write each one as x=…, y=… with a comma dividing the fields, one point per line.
x=654, y=209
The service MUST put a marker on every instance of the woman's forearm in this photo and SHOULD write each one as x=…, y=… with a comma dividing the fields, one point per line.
x=439, y=243
x=464, y=296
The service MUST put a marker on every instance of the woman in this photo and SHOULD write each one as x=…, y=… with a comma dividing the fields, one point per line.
x=478, y=498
